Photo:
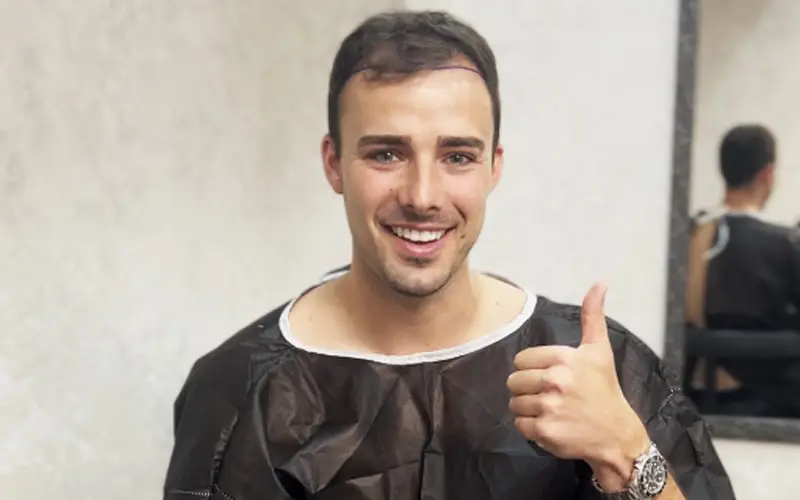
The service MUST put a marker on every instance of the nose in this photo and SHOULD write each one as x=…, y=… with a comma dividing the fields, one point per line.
x=421, y=190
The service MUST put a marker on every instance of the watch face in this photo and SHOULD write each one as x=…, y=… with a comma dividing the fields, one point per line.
x=653, y=477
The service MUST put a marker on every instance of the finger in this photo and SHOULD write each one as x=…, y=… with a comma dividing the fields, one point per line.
x=527, y=382
x=530, y=427
x=593, y=318
x=526, y=425
x=543, y=357
x=534, y=405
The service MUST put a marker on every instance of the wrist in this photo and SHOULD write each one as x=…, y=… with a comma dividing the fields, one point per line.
x=614, y=466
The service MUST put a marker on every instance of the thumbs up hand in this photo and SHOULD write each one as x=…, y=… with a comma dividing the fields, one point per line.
x=569, y=401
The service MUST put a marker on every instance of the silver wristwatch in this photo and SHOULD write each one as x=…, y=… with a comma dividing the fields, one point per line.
x=650, y=472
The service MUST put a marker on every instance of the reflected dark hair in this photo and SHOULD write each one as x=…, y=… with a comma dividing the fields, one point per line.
x=394, y=45
x=745, y=151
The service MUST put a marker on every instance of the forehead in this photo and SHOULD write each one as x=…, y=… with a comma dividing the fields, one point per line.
x=451, y=101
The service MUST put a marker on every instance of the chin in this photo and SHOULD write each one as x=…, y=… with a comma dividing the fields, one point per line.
x=417, y=283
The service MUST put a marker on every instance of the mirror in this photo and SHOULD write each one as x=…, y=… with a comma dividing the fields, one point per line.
x=733, y=332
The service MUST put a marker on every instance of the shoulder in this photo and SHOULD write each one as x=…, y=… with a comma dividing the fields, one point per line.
x=262, y=332
x=786, y=237
x=227, y=371
x=704, y=216
x=778, y=229
x=758, y=225
x=261, y=338
x=232, y=355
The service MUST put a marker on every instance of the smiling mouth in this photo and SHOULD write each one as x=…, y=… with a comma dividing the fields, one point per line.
x=417, y=236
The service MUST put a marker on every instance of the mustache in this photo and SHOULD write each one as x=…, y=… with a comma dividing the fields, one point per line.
x=410, y=216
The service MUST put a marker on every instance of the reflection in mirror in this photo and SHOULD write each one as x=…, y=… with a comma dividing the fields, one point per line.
x=742, y=302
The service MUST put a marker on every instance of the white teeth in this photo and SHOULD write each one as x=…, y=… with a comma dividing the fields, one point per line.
x=417, y=236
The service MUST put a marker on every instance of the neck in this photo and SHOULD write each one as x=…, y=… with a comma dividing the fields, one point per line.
x=743, y=200
x=392, y=323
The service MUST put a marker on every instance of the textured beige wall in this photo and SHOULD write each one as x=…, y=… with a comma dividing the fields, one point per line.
x=748, y=71
x=160, y=187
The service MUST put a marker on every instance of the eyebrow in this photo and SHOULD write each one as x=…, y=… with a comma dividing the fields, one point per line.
x=462, y=142
x=384, y=140
x=404, y=140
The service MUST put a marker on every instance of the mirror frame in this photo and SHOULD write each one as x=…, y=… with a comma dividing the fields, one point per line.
x=726, y=427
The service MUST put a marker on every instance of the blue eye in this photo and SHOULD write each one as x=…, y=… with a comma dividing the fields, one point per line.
x=460, y=159
x=384, y=157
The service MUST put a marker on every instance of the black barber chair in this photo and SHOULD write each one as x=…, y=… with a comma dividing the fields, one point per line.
x=716, y=345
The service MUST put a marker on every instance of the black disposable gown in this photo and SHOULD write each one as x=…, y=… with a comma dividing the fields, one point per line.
x=753, y=283
x=260, y=419
x=753, y=280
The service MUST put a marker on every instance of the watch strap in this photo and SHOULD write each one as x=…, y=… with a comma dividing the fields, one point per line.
x=636, y=489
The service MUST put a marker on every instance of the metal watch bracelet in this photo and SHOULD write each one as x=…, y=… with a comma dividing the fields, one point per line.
x=650, y=473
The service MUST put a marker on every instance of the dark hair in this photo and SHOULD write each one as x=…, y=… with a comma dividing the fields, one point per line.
x=393, y=45
x=745, y=151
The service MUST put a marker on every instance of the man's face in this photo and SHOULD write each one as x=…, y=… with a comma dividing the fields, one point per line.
x=415, y=169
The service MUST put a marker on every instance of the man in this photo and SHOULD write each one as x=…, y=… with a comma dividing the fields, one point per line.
x=744, y=274
x=390, y=380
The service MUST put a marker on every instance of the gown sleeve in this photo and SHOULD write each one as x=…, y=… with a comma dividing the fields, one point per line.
x=209, y=413
x=672, y=421
x=205, y=415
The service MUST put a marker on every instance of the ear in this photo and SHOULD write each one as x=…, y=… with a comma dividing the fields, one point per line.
x=332, y=164
x=769, y=172
x=497, y=165
x=766, y=177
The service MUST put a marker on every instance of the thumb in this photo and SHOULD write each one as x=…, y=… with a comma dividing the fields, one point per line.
x=593, y=318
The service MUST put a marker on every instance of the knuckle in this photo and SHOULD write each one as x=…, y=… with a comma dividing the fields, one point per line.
x=523, y=406
x=531, y=428
x=528, y=405
x=561, y=379
x=517, y=382
x=525, y=426
x=551, y=405
x=540, y=429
